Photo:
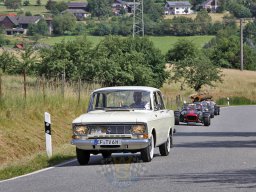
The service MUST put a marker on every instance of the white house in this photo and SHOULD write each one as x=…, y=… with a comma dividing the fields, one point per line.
x=177, y=8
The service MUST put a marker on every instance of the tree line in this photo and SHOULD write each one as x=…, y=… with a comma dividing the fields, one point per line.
x=115, y=61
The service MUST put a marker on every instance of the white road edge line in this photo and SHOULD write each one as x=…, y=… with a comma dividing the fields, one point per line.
x=39, y=171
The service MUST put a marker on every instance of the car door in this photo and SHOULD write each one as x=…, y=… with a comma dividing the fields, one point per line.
x=162, y=126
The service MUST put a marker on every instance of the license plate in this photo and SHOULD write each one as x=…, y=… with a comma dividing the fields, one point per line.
x=107, y=142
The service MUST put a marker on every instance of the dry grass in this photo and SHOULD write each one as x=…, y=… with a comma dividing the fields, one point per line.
x=22, y=122
x=215, y=16
x=235, y=83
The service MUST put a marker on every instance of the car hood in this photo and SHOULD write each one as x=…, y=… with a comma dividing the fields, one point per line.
x=116, y=117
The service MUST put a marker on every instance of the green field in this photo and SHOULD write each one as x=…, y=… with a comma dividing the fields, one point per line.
x=33, y=7
x=163, y=43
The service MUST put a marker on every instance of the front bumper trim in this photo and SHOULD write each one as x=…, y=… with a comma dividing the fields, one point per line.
x=124, y=141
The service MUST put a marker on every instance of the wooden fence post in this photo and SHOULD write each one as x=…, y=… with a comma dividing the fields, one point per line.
x=25, y=83
x=44, y=87
x=1, y=91
x=63, y=85
x=79, y=90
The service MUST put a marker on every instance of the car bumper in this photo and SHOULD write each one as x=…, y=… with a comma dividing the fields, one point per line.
x=126, y=144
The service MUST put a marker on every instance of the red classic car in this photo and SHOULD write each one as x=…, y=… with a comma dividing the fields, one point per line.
x=192, y=113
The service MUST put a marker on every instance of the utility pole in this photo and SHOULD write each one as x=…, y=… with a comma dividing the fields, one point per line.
x=241, y=45
x=138, y=21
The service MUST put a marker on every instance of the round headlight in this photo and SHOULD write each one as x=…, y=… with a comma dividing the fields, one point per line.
x=138, y=129
x=81, y=130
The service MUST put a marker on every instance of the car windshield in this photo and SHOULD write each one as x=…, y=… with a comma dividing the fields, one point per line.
x=120, y=100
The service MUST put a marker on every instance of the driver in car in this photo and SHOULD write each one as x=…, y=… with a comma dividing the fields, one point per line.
x=138, y=103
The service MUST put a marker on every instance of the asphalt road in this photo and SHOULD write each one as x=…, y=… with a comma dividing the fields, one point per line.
x=218, y=158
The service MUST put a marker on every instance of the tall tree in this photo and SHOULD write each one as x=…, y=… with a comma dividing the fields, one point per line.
x=74, y=58
x=63, y=23
x=100, y=8
x=28, y=60
x=40, y=28
x=182, y=26
x=202, y=22
x=153, y=10
x=7, y=62
x=129, y=61
x=191, y=66
x=181, y=50
x=196, y=72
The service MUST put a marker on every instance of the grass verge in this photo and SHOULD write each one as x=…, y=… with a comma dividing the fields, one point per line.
x=236, y=101
x=36, y=162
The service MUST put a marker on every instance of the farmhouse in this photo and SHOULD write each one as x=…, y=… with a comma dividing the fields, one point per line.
x=78, y=5
x=119, y=5
x=210, y=5
x=177, y=8
x=80, y=14
x=17, y=24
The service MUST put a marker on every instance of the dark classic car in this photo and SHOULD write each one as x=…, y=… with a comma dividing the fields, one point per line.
x=196, y=113
x=207, y=102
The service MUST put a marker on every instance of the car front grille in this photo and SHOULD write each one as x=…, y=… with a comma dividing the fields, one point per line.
x=112, y=129
x=191, y=118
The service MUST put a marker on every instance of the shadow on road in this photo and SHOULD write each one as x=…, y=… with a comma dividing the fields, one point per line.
x=237, y=178
x=217, y=134
x=125, y=158
x=217, y=144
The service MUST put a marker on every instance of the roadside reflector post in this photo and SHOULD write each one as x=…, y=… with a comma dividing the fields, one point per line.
x=48, y=134
x=228, y=100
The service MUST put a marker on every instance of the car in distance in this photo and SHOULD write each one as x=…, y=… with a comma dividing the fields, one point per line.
x=193, y=113
x=123, y=119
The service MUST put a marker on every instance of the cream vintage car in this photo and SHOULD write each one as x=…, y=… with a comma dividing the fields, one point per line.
x=124, y=119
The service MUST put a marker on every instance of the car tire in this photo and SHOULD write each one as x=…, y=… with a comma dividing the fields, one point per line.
x=83, y=156
x=207, y=121
x=177, y=120
x=106, y=154
x=147, y=154
x=166, y=147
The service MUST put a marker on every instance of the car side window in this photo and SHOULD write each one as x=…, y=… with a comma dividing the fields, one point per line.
x=158, y=101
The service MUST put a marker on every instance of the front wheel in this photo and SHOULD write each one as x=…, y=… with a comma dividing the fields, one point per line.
x=147, y=154
x=207, y=121
x=166, y=147
x=177, y=120
x=83, y=156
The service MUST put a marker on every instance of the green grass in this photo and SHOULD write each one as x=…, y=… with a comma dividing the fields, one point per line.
x=35, y=163
x=166, y=42
x=236, y=101
x=33, y=7
x=163, y=43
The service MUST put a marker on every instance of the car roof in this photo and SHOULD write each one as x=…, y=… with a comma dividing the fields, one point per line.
x=139, y=88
